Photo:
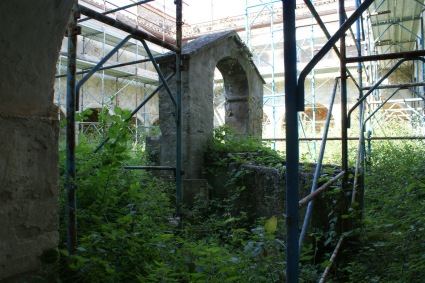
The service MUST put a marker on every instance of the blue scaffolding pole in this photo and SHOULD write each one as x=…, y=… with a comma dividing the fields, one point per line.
x=292, y=144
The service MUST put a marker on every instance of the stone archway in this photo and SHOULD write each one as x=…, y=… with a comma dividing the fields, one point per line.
x=243, y=86
x=236, y=93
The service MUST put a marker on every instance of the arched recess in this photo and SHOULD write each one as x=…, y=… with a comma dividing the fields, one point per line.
x=155, y=123
x=219, y=99
x=306, y=118
x=320, y=114
x=236, y=93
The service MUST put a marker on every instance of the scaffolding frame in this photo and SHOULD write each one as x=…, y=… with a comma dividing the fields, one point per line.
x=73, y=89
x=416, y=87
x=265, y=18
x=295, y=102
x=106, y=74
x=120, y=70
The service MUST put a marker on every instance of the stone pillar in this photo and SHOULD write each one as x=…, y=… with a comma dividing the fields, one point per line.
x=29, y=179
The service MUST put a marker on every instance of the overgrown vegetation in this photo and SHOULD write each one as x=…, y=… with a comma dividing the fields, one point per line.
x=128, y=232
x=391, y=245
x=230, y=145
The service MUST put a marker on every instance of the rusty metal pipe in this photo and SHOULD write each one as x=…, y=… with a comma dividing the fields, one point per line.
x=314, y=194
x=331, y=261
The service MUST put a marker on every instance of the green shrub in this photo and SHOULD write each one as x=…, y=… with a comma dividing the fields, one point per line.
x=391, y=247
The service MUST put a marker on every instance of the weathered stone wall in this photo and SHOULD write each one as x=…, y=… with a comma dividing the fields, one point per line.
x=28, y=135
x=264, y=193
x=28, y=193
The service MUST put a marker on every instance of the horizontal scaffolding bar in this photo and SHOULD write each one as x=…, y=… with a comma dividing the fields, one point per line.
x=403, y=109
x=401, y=86
x=274, y=96
x=396, y=21
x=127, y=28
x=314, y=194
x=170, y=168
x=407, y=55
x=117, y=65
x=398, y=100
x=349, y=138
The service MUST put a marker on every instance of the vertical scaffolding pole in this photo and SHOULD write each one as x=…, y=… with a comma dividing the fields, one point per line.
x=103, y=72
x=359, y=176
x=313, y=90
x=343, y=67
x=292, y=146
x=137, y=82
x=71, y=203
x=359, y=64
x=247, y=29
x=422, y=46
x=59, y=93
x=178, y=106
x=273, y=85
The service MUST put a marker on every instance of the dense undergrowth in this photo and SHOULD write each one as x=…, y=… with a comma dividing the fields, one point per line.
x=127, y=230
x=391, y=242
